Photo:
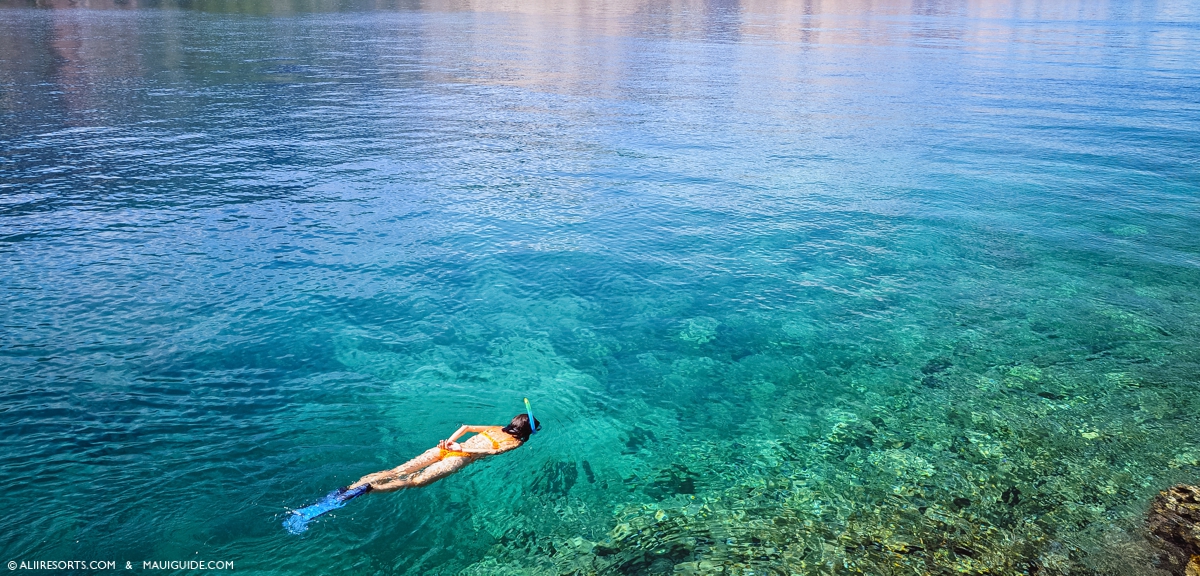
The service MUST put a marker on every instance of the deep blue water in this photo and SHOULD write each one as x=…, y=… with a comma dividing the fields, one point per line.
x=803, y=287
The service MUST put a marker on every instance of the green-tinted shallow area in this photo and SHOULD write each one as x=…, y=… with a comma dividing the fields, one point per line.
x=794, y=288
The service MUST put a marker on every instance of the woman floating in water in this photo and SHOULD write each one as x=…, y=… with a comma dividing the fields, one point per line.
x=436, y=463
x=450, y=456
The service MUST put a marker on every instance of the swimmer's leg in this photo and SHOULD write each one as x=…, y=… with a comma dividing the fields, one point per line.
x=426, y=458
x=438, y=471
x=429, y=475
x=391, y=485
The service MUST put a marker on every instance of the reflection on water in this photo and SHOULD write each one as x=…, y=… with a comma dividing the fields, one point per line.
x=796, y=287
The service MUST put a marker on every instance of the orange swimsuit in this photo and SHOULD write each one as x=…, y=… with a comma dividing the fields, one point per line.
x=448, y=453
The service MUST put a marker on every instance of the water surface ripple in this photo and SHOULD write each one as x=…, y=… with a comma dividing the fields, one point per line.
x=795, y=287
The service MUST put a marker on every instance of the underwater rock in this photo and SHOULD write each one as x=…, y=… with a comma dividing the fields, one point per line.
x=639, y=438
x=672, y=481
x=936, y=365
x=700, y=330
x=587, y=470
x=1174, y=528
x=556, y=479
x=1129, y=230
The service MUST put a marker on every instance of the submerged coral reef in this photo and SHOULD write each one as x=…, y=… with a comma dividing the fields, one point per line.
x=912, y=454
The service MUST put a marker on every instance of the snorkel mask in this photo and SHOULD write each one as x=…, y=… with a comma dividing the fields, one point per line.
x=532, y=423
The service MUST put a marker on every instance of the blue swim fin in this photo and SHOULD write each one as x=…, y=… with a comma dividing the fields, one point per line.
x=298, y=520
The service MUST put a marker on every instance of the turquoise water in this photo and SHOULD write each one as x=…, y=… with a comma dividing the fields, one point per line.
x=795, y=288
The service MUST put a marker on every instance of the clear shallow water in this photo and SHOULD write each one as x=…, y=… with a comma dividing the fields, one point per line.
x=794, y=288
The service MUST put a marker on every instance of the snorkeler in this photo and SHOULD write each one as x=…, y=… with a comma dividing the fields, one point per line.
x=450, y=456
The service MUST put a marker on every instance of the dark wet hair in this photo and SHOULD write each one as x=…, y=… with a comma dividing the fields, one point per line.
x=519, y=427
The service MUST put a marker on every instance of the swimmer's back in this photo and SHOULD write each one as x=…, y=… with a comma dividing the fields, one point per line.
x=492, y=438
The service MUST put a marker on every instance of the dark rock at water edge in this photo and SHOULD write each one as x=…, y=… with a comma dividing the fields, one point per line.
x=1173, y=526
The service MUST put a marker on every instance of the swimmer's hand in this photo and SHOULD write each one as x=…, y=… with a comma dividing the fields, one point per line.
x=450, y=445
